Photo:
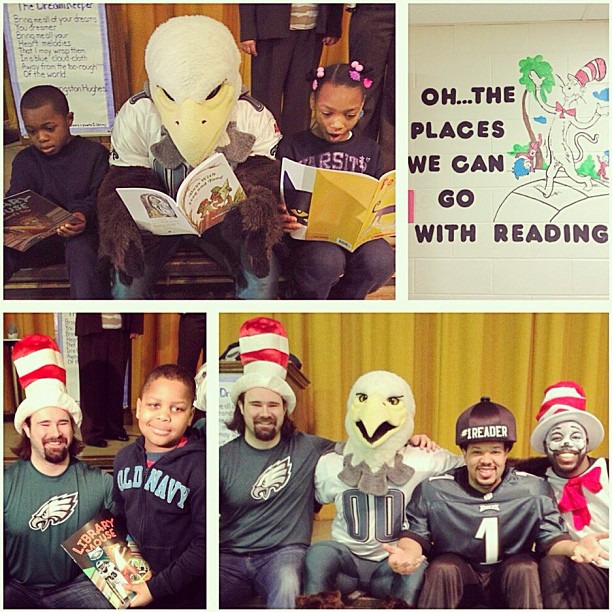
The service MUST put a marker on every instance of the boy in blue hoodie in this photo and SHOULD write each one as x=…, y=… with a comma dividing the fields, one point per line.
x=160, y=492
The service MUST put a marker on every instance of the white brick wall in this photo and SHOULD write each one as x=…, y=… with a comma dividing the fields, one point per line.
x=467, y=56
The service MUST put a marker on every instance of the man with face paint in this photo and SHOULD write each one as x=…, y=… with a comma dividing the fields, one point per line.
x=566, y=433
x=480, y=524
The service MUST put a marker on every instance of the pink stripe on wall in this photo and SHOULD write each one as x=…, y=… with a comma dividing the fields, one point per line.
x=410, y=206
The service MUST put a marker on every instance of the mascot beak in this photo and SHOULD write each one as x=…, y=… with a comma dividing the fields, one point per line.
x=375, y=418
x=191, y=123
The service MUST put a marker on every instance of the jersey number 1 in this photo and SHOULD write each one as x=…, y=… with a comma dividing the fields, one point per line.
x=489, y=532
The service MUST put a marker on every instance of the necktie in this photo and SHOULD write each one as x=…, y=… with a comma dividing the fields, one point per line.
x=573, y=500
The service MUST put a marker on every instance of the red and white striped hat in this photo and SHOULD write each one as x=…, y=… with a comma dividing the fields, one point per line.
x=565, y=401
x=42, y=375
x=264, y=352
x=595, y=70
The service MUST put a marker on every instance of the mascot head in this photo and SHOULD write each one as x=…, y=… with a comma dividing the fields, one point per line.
x=193, y=67
x=380, y=411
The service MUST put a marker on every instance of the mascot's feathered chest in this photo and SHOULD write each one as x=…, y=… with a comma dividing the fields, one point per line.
x=377, y=481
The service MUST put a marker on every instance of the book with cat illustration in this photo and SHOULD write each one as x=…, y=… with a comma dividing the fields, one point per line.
x=346, y=208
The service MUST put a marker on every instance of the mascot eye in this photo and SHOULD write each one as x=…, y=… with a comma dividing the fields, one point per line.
x=214, y=92
x=362, y=397
x=167, y=94
x=394, y=401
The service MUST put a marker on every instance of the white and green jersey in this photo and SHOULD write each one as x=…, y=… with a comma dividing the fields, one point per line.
x=363, y=521
x=41, y=511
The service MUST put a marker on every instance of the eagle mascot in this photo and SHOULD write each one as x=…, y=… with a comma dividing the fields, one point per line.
x=370, y=479
x=192, y=106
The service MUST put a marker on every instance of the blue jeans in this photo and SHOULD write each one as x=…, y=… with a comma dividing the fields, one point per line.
x=322, y=270
x=275, y=575
x=79, y=593
x=331, y=566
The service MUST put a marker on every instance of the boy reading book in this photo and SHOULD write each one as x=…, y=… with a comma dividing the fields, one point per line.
x=160, y=491
x=66, y=170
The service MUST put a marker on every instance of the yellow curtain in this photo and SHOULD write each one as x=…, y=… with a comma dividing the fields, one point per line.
x=157, y=345
x=139, y=21
x=450, y=361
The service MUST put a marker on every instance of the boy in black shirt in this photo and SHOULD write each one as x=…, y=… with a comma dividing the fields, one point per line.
x=67, y=170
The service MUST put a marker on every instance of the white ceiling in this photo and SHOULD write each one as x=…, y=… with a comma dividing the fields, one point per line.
x=444, y=14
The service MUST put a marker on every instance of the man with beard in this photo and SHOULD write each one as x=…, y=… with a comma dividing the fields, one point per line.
x=48, y=493
x=566, y=433
x=479, y=524
x=266, y=478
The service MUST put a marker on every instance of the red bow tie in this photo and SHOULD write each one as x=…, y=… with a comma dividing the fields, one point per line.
x=573, y=500
x=564, y=111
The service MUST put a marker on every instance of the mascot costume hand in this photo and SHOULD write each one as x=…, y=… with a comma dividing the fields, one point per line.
x=191, y=107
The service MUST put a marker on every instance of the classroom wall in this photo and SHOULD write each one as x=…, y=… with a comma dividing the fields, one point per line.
x=483, y=225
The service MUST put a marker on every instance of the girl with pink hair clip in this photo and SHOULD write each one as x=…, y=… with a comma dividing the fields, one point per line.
x=323, y=270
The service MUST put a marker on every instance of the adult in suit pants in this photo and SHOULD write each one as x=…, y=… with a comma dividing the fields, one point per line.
x=103, y=357
x=282, y=58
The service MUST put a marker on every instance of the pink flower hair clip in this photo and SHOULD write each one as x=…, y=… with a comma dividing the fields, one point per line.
x=320, y=73
x=356, y=69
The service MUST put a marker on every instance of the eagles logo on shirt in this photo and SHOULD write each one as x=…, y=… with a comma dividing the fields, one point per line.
x=272, y=480
x=54, y=511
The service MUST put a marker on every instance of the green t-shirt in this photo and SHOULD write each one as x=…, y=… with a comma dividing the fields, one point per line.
x=41, y=511
x=267, y=496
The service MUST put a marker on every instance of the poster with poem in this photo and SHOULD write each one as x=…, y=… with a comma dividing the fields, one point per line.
x=64, y=45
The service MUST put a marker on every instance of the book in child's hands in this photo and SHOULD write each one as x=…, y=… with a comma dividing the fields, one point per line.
x=109, y=558
x=346, y=208
x=30, y=218
x=203, y=199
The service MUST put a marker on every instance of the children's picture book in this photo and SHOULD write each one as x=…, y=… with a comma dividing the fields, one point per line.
x=109, y=558
x=203, y=199
x=346, y=208
x=30, y=218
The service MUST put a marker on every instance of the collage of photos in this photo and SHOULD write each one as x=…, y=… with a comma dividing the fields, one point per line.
x=411, y=411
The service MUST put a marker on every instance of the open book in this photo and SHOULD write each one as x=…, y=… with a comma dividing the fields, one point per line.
x=346, y=208
x=30, y=218
x=202, y=200
x=109, y=558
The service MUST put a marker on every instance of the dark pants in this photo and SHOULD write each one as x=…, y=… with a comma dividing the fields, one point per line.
x=372, y=42
x=103, y=359
x=566, y=584
x=80, y=593
x=322, y=270
x=80, y=253
x=191, y=340
x=452, y=582
x=279, y=77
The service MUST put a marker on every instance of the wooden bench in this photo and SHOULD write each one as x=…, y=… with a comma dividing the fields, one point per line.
x=190, y=274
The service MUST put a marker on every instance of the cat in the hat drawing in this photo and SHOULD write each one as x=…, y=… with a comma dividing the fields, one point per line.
x=563, y=146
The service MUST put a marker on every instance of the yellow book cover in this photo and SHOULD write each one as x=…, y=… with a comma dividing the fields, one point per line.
x=346, y=208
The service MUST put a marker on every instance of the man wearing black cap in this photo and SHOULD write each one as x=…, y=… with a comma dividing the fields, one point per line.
x=478, y=523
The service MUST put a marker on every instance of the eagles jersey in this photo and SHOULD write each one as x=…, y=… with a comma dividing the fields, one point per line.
x=41, y=511
x=598, y=503
x=138, y=126
x=447, y=515
x=267, y=496
x=363, y=522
